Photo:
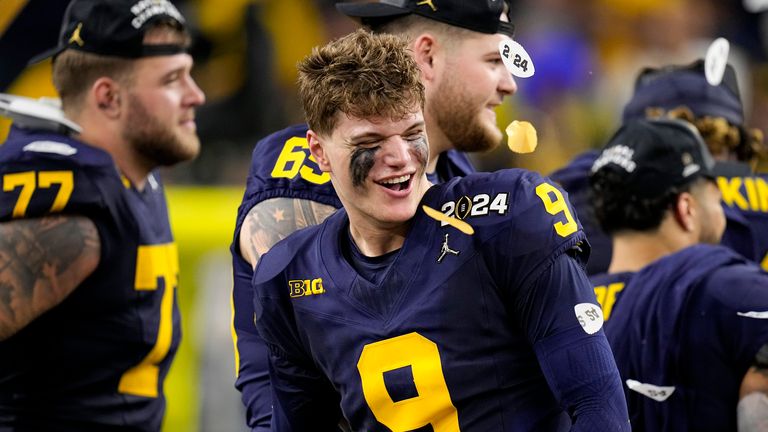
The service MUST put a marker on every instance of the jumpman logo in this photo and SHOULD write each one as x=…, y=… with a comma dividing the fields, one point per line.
x=76, y=35
x=428, y=3
x=446, y=250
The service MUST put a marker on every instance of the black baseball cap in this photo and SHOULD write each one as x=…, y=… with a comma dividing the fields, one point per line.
x=482, y=16
x=653, y=155
x=115, y=28
x=672, y=86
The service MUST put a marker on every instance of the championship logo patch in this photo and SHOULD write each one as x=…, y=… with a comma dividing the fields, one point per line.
x=463, y=207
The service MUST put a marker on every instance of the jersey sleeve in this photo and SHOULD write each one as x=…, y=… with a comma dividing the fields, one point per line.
x=740, y=309
x=282, y=167
x=540, y=226
x=572, y=350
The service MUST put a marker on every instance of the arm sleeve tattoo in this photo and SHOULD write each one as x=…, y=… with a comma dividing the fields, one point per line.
x=41, y=262
x=272, y=220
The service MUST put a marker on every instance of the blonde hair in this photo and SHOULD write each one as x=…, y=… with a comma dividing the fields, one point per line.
x=361, y=75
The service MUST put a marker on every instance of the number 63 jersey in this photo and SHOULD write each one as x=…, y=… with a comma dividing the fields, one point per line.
x=451, y=335
x=97, y=360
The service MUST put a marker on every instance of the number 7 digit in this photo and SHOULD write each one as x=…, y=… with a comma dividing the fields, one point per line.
x=555, y=206
x=45, y=179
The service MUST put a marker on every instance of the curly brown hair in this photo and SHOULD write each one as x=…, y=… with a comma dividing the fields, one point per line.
x=723, y=138
x=361, y=75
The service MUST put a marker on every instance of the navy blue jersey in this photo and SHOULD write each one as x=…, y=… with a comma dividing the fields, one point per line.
x=745, y=203
x=462, y=332
x=97, y=360
x=685, y=331
x=282, y=167
x=609, y=288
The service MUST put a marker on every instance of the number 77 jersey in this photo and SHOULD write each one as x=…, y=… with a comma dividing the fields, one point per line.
x=449, y=336
x=97, y=360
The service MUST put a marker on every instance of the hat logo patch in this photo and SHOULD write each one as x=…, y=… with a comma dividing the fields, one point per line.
x=75, y=38
x=620, y=155
x=428, y=3
x=144, y=10
x=690, y=170
x=690, y=167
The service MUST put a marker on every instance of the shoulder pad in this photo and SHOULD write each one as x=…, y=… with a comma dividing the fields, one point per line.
x=511, y=196
x=36, y=114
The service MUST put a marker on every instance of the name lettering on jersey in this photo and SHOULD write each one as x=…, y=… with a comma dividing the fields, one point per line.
x=50, y=147
x=445, y=249
x=590, y=317
x=306, y=287
x=657, y=393
x=746, y=193
x=476, y=206
x=606, y=296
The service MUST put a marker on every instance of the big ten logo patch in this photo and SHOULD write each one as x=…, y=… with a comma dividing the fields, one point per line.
x=306, y=287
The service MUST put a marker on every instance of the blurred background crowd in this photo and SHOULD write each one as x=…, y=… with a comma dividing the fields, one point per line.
x=586, y=54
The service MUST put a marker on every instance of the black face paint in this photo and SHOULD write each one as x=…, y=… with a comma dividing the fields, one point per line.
x=421, y=149
x=363, y=159
x=360, y=164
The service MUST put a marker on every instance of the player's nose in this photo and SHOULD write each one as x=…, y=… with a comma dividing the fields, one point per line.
x=396, y=151
x=507, y=84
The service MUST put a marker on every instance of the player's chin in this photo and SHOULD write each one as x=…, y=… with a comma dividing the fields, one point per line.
x=190, y=146
x=489, y=137
x=398, y=214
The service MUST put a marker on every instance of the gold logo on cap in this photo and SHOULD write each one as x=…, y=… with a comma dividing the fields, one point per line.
x=76, y=35
x=428, y=3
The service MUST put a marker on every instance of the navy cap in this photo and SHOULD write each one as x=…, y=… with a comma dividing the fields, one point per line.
x=115, y=28
x=482, y=16
x=653, y=155
x=673, y=86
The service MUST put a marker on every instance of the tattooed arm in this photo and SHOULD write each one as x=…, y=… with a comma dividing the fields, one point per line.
x=266, y=223
x=41, y=262
x=272, y=220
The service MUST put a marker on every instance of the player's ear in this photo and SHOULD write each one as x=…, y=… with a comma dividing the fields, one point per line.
x=685, y=211
x=424, y=50
x=317, y=151
x=106, y=95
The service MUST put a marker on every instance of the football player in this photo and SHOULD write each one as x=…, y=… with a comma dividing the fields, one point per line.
x=477, y=318
x=89, y=322
x=685, y=316
x=457, y=48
